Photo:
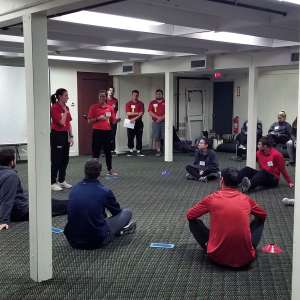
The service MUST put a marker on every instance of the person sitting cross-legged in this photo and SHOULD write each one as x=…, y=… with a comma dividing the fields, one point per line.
x=14, y=204
x=88, y=226
x=231, y=239
x=205, y=164
x=271, y=164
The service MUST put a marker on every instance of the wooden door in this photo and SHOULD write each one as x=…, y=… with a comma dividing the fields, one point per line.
x=89, y=85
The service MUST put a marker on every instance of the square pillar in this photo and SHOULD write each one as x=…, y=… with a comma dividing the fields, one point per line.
x=38, y=139
x=252, y=117
x=296, y=236
x=169, y=115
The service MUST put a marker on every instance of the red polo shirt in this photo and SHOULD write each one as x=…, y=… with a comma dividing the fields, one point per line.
x=273, y=163
x=135, y=107
x=97, y=110
x=230, y=241
x=113, y=102
x=56, y=113
x=157, y=107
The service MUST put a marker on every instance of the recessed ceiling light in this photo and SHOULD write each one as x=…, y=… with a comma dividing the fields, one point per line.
x=108, y=20
x=82, y=59
x=291, y=1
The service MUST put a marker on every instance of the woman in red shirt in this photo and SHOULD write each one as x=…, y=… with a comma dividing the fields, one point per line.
x=61, y=139
x=102, y=116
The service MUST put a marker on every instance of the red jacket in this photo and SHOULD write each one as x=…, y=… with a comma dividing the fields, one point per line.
x=230, y=241
x=273, y=163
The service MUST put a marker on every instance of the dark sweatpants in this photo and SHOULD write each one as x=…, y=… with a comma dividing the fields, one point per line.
x=194, y=171
x=137, y=133
x=60, y=148
x=258, y=177
x=59, y=208
x=201, y=232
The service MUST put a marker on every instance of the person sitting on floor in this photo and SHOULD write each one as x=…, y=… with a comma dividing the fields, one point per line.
x=88, y=226
x=280, y=132
x=14, y=205
x=231, y=239
x=205, y=164
x=271, y=164
x=291, y=144
x=241, y=138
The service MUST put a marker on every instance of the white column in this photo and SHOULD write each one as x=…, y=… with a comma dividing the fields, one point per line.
x=116, y=85
x=169, y=115
x=38, y=132
x=252, y=117
x=296, y=243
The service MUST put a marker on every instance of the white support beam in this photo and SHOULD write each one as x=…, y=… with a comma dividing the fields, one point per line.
x=169, y=115
x=252, y=116
x=38, y=135
x=296, y=243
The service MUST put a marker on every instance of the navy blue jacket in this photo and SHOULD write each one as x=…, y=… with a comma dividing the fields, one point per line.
x=206, y=160
x=13, y=201
x=86, y=227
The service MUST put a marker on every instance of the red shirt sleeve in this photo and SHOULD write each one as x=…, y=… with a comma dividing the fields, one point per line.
x=56, y=115
x=127, y=107
x=256, y=210
x=199, y=209
x=113, y=116
x=281, y=166
x=150, y=107
x=91, y=114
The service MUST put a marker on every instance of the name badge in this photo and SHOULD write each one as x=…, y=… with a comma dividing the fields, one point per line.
x=202, y=163
x=276, y=127
x=107, y=113
x=270, y=164
x=132, y=108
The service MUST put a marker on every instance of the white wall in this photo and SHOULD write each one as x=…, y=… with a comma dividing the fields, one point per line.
x=146, y=86
x=277, y=90
x=65, y=76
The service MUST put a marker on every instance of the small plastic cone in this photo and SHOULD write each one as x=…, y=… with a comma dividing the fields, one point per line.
x=271, y=248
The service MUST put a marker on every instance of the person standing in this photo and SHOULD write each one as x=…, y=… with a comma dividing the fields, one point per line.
x=231, y=239
x=102, y=116
x=61, y=138
x=135, y=111
x=112, y=101
x=156, y=110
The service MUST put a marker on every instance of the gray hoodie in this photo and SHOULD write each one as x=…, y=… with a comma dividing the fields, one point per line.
x=13, y=201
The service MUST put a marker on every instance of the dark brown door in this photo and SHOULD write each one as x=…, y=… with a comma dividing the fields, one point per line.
x=89, y=85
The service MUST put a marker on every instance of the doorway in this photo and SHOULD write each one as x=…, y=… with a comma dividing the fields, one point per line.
x=223, y=107
x=89, y=85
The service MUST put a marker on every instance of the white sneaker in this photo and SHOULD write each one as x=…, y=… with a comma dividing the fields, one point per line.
x=65, y=185
x=288, y=201
x=55, y=187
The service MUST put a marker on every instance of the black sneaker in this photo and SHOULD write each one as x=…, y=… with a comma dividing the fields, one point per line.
x=129, y=153
x=128, y=229
x=139, y=153
x=245, y=184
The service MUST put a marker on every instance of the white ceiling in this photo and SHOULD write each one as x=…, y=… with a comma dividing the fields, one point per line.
x=183, y=31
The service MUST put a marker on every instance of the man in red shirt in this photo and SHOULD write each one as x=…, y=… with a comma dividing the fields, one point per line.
x=135, y=111
x=112, y=101
x=271, y=164
x=156, y=110
x=102, y=116
x=231, y=239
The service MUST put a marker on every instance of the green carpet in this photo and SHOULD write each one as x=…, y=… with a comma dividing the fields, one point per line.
x=127, y=268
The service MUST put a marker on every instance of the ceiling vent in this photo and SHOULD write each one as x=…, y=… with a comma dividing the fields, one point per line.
x=131, y=68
